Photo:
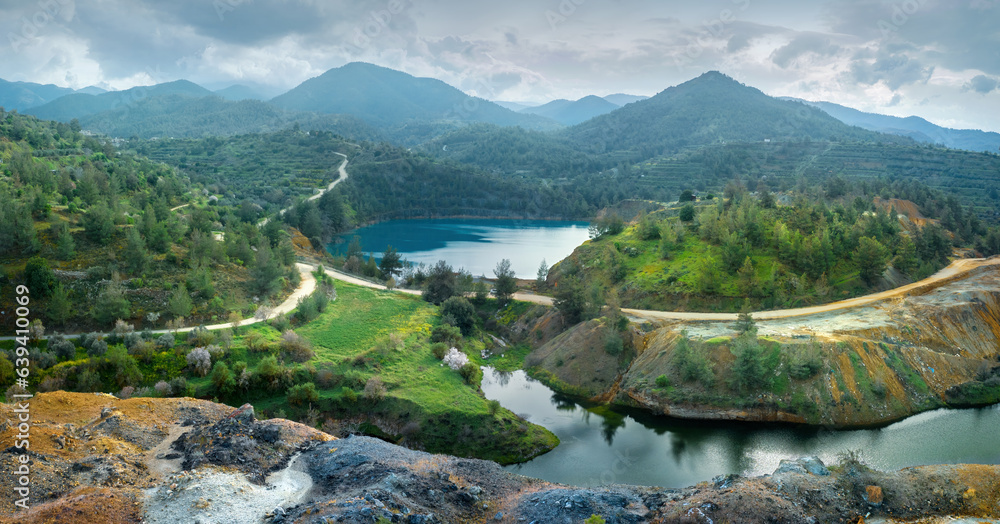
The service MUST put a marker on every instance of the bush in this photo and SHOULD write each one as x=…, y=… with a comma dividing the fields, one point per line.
x=166, y=341
x=804, y=362
x=471, y=373
x=375, y=390
x=462, y=312
x=269, y=370
x=350, y=395
x=450, y=335
x=439, y=349
x=42, y=359
x=39, y=277
x=179, y=387
x=98, y=348
x=222, y=378
x=200, y=361
x=200, y=336
x=493, y=406
x=300, y=394
x=613, y=343
x=281, y=323
x=298, y=348
x=662, y=381
x=62, y=348
x=162, y=388
x=254, y=341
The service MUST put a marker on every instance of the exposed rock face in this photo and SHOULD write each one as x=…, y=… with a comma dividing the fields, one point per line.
x=317, y=479
x=938, y=345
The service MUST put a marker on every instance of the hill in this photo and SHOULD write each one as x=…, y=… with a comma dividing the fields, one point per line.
x=913, y=127
x=387, y=97
x=79, y=105
x=239, y=92
x=23, y=95
x=186, y=116
x=710, y=109
x=569, y=112
x=620, y=99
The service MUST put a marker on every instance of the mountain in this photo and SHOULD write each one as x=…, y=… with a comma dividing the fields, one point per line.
x=514, y=106
x=79, y=105
x=239, y=92
x=23, y=95
x=620, y=99
x=185, y=116
x=92, y=90
x=912, y=126
x=710, y=109
x=570, y=113
x=387, y=97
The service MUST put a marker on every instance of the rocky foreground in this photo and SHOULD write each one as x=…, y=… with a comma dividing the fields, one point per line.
x=96, y=458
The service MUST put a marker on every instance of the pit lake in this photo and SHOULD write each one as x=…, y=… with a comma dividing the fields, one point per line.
x=473, y=244
x=604, y=446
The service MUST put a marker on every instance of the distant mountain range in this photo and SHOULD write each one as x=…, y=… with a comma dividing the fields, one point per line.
x=79, y=105
x=24, y=95
x=376, y=102
x=570, y=112
x=913, y=126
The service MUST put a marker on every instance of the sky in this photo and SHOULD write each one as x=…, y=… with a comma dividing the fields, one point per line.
x=939, y=59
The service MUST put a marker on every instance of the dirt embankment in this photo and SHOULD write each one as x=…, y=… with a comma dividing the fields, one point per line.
x=101, y=459
x=937, y=345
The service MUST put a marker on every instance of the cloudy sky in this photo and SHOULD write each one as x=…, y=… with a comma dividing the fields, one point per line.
x=939, y=59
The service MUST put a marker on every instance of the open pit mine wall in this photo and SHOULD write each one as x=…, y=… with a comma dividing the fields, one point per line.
x=881, y=362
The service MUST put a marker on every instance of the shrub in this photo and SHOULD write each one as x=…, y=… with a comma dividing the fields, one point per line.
x=62, y=348
x=470, y=372
x=98, y=348
x=350, y=395
x=200, y=361
x=162, y=388
x=302, y=394
x=298, y=348
x=374, y=389
x=179, y=387
x=281, y=322
x=450, y=335
x=166, y=341
x=493, y=406
x=126, y=393
x=462, y=313
x=269, y=370
x=804, y=362
x=613, y=343
x=200, y=336
x=662, y=381
x=222, y=378
x=325, y=378
x=42, y=359
x=439, y=349
x=255, y=341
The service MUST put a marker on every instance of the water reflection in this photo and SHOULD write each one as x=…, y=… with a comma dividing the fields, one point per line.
x=600, y=445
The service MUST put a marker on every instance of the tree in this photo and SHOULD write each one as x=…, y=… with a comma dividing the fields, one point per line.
x=111, y=304
x=441, y=283
x=542, y=276
x=571, y=300
x=39, y=277
x=686, y=196
x=391, y=265
x=300, y=394
x=906, y=256
x=59, y=308
x=871, y=259
x=125, y=368
x=65, y=246
x=747, y=277
x=647, y=229
x=180, y=302
x=98, y=224
x=506, y=284
x=200, y=361
x=136, y=256
x=266, y=271
x=744, y=320
x=222, y=378
x=687, y=213
x=610, y=224
x=749, y=372
x=461, y=312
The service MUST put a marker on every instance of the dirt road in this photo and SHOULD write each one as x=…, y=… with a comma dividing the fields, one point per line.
x=342, y=170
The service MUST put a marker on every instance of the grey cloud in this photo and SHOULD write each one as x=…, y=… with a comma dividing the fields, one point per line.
x=896, y=70
x=982, y=84
x=802, y=44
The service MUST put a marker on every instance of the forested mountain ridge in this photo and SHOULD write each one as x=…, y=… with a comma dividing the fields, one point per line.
x=79, y=105
x=22, y=95
x=388, y=97
x=572, y=112
x=914, y=127
x=712, y=108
